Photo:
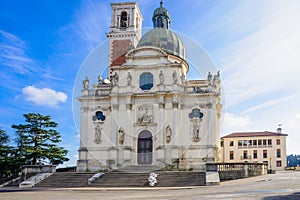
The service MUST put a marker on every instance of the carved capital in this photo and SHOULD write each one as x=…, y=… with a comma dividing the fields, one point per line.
x=84, y=109
x=115, y=106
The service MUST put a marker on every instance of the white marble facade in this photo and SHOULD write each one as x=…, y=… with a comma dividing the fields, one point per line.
x=149, y=113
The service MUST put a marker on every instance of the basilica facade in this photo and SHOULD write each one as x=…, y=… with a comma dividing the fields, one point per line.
x=148, y=113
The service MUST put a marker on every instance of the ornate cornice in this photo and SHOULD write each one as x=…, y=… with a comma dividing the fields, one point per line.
x=131, y=53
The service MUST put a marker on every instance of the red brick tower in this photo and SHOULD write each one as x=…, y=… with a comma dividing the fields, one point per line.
x=125, y=32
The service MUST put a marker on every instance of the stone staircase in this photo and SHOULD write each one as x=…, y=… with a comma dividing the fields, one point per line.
x=140, y=169
x=124, y=179
x=181, y=179
x=66, y=180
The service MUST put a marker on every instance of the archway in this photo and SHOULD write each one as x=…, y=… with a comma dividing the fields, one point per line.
x=145, y=148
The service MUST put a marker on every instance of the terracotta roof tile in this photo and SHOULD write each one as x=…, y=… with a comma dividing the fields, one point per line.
x=253, y=134
x=119, y=61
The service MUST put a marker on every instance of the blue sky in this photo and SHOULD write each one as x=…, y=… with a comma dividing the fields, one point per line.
x=255, y=44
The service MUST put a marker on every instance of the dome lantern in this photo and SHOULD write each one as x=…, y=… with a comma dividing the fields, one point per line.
x=161, y=17
x=161, y=36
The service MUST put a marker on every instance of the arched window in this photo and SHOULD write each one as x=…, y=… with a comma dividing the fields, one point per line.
x=146, y=81
x=124, y=19
x=160, y=22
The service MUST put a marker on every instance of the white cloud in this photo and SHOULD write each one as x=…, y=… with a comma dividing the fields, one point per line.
x=261, y=67
x=233, y=122
x=270, y=103
x=44, y=96
x=265, y=60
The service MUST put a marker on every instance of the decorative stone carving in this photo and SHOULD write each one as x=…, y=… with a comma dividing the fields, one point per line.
x=115, y=79
x=121, y=135
x=196, y=117
x=86, y=83
x=174, y=75
x=98, y=133
x=216, y=82
x=168, y=134
x=196, y=130
x=182, y=79
x=209, y=77
x=145, y=114
x=161, y=77
x=129, y=79
x=100, y=80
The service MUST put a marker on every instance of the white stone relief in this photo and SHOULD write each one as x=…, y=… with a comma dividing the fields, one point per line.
x=121, y=135
x=168, y=134
x=115, y=79
x=182, y=79
x=100, y=80
x=86, y=83
x=129, y=79
x=161, y=77
x=196, y=129
x=145, y=114
x=98, y=133
x=174, y=75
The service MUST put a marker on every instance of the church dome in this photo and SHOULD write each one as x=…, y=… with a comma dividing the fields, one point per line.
x=165, y=39
x=160, y=36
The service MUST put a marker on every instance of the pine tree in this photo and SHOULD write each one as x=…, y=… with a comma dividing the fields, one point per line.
x=37, y=141
x=8, y=166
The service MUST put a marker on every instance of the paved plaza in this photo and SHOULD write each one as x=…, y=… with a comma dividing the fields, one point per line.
x=282, y=185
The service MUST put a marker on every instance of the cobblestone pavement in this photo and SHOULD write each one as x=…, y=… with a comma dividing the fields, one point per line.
x=282, y=185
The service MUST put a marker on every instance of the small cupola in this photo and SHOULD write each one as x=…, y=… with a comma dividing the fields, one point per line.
x=279, y=129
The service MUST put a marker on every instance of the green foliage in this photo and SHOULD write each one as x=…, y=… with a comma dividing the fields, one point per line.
x=8, y=164
x=37, y=141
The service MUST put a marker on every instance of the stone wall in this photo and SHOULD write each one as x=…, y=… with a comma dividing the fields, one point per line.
x=31, y=170
x=229, y=171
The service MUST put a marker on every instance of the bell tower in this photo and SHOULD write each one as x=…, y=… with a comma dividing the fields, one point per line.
x=125, y=31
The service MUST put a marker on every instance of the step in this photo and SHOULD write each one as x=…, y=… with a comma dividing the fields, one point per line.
x=123, y=179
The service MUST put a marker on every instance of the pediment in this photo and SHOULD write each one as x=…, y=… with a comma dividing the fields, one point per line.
x=146, y=51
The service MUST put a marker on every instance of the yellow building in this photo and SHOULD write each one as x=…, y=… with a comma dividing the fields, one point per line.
x=255, y=147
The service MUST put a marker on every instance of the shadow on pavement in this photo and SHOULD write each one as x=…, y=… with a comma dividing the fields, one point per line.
x=293, y=196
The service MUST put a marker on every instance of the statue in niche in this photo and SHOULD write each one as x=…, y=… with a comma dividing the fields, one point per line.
x=168, y=134
x=115, y=79
x=121, y=135
x=86, y=83
x=98, y=134
x=182, y=79
x=145, y=114
x=196, y=130
x=129, y=79
x=174, y=77
x=161, y=77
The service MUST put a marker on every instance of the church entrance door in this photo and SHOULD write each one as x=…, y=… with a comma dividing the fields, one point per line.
x=145, y=146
